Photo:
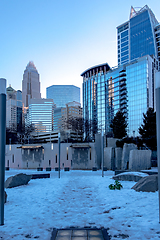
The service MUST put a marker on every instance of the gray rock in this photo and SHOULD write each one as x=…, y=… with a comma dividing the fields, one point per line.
x=147, y=184
x=129, y=176
x=17, y=180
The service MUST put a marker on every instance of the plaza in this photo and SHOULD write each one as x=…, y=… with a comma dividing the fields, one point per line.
x=79, y=198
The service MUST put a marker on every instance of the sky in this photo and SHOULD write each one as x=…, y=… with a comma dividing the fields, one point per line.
x=79, y=198
x=63, y=38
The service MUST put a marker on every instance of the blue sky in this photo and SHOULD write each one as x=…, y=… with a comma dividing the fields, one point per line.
x=63, y=38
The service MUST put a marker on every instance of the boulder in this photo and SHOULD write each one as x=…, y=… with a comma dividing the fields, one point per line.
x=17, y=180
x=147, y=184
x=130, y=176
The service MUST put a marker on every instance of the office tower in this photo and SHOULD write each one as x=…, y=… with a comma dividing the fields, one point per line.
x=13, y=109
x=57, y=124
x=136, y=37
x=129, y=88
x=62, y=94
x=30, y=84
x=19, y=109
x=62, y=116
x=40, y=114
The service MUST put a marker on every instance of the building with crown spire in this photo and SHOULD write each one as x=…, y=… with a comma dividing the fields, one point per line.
x=30, y=84
x=137, y=37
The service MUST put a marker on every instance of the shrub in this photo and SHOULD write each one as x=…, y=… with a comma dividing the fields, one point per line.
x=117, y=185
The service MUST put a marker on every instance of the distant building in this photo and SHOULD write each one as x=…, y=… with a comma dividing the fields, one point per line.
x=138, y=36
x=40, y=114
x=30, y=84
x=58, y=119
x=13, y=109
x=62, y=115
x=62, y=94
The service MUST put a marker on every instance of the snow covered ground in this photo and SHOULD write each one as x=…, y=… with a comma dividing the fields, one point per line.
x=79, y=198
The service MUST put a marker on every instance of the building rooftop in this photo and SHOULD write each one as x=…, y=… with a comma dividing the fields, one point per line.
x=31, y=66
x=97, y=67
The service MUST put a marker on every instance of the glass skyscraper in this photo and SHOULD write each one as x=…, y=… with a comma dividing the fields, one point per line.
x=136, y=37
x=129, y=88
x=62, y=94
x=40, y=114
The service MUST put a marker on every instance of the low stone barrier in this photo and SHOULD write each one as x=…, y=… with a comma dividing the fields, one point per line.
x=40, y=175
x=48, y=168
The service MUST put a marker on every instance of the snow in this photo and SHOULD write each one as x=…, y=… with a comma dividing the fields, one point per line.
x=140, y=174
x=79, y=198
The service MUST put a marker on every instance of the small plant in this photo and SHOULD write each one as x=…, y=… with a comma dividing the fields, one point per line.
x=117, y=185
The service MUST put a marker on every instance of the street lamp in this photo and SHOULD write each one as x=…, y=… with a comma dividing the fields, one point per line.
x=158, y=129
x=59, y=148
x=2, y=145
x=102, y=151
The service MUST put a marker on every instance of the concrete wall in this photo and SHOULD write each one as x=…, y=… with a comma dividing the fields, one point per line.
x=13, y=156
x=140, y=160
x=83, y=158
x=125, y=155
x=48, y=156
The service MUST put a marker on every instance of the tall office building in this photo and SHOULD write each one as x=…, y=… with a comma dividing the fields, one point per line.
x=40, y=114
x=30, y=84
x=129, y=88
x=136, y=37
x=62, y=94
x=13, y=109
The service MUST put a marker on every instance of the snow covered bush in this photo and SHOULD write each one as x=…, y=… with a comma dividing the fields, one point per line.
x=117, y=185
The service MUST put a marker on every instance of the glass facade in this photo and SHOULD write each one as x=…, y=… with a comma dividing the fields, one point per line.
x=136, y=38
x=62, y=94
x=138, y=94
x=57, y=119
x=94, y=100
x=129, y=88
x=41, y=114
x=141, y=36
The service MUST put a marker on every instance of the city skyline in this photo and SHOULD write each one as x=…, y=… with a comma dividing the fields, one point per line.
x=62, y=39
